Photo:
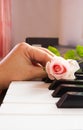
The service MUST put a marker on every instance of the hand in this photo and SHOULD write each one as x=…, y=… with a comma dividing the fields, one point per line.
x=24, y=62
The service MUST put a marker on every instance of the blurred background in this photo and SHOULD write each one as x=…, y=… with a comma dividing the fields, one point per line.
x=20, y=19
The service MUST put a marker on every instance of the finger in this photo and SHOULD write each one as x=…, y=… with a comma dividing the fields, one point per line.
x=38, y=72
x=39, y=55
x=47, y=51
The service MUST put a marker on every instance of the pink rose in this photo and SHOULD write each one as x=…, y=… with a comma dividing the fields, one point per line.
x=59, y=68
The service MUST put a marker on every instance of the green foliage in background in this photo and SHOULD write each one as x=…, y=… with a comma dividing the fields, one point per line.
x=76, y=54
x=54, y=50
x=70, y=54
x=79, y=50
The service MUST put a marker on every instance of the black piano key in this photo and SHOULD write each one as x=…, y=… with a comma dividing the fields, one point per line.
x=47, y=80
x=81, y=66
x=79, y=76
x=53, y=84
x=63, y=88
x=2, y=95
x=71, y=100
x=56, y=83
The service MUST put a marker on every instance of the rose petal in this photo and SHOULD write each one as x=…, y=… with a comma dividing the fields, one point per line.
x=48, y=71
x=74, y=65
x=65, y=70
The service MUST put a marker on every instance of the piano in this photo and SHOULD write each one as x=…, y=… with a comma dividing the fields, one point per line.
x=29, y=105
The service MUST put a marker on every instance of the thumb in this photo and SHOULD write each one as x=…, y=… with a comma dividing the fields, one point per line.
x=39, y=72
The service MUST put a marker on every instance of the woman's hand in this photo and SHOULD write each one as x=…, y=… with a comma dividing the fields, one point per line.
x=24, y=62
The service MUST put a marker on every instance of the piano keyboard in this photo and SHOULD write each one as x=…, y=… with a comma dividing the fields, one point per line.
x=29, y=105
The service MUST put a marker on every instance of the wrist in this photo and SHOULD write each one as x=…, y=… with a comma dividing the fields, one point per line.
x=4, y=83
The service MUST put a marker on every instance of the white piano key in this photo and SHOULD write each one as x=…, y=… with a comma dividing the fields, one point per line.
x=37, y=109
x=15, y=87
x=30, y=106
x=42, y=122
x=29, y=92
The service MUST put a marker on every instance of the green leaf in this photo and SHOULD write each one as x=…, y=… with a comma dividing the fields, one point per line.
x=54, y=50
x=79, y=50
x=70, y=54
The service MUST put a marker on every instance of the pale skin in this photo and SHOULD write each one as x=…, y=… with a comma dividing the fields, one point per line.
x=24, y=62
